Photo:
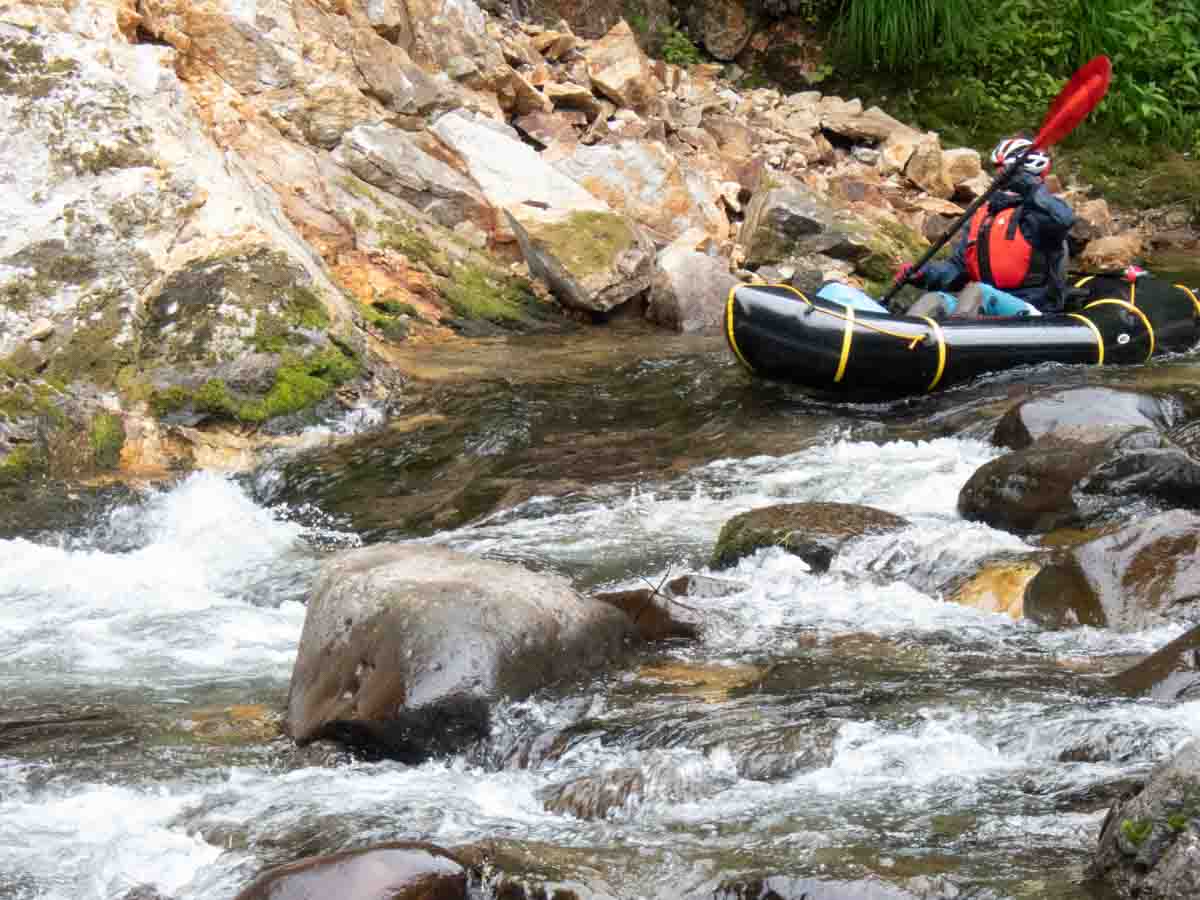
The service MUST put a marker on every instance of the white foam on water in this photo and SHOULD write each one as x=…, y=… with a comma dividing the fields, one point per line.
x=193, y=598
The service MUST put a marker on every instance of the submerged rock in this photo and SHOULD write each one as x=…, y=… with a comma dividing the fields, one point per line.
x=396, y=871
x=815, y=532
x=1150, y=843
x=1138, y=577
x=998, y=587
x=656, y=616
x=784, y=888
x=405, y=648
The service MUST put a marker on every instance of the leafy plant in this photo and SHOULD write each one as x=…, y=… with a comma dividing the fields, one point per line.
x=898, y=35
x=677, y=47
x=1137, y=830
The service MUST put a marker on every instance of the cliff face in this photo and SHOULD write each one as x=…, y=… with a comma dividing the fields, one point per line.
x=224, y=215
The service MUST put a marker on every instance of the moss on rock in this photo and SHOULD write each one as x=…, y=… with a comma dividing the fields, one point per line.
x=107, y=433
x=586, y=242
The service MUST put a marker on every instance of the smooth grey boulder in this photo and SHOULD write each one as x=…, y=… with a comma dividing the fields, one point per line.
x=1091, y=415
x=406, y=647
x=1171, y=674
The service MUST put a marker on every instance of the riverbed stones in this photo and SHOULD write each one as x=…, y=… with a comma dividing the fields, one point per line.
x=1138, y=577
x=998, y=587
x=406, y=647
x=656, y=616
x=1150, y=843
x=780, y=220
x=814, y=531
x=1090, y=415
x=393, y=871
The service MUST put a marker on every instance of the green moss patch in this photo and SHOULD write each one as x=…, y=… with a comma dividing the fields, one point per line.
x=25, y=71
x=107, y=433
x=412, y=242
x=97, y=348
x=475, y=293
x=586, y=242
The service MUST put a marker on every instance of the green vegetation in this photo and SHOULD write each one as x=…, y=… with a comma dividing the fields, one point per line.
x=677, y=47
x=896, y=35
x=107, y=433
x=1137, y=830
x=475, y=293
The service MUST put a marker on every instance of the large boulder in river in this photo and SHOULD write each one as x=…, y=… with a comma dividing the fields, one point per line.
x=1030, y=490
x=1171, y=674
x=1143, y=575
x=1150, y=843
x=406, y=647
x=1090, y=415
x=394, y=871
x=815, y=531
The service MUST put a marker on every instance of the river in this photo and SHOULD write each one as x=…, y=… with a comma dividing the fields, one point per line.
x=851, y=726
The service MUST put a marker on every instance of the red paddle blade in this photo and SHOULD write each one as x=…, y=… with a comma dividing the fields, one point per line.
x=1083, y=92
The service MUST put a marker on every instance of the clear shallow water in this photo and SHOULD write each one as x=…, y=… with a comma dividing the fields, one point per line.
x=848, y=725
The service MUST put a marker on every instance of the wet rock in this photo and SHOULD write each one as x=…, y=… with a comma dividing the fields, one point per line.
x=394, y=871
x=406, y=647
x=998, y=587
x=1166, y=474
x=704, y=586
x=815, y=532
x=711, y=683
x=596, y=796
x=1030, y=490
x=689, y=291
x=57, y=727
x=1150, y=843
x=389, y=159
x=656, y=616
x=1171, y=674
x=1143, y=575
x=726, y=27
x=144, y=892
x=513, y=870
x=250, y=723
x=1089, y=415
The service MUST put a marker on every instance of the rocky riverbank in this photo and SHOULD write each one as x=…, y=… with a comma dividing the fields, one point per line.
x=227, y=224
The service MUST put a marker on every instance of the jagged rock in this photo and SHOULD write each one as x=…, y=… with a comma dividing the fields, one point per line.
x=574, y=96
x=1114, y=252
x=780, y=218
x=1150, y=843
x=689, y=291
x=1030, y=490
x=620, y=70
x=1081, y=416
x=656, y=617
x=1138, y=577
x=726, y=27
x=646, y=182
x=445, y=29
x=960, y=166
x=1171, y=674
x=925, y=168
x=1093, y=220
x=816, y=532
x=554, y=44
x=389, y=159
x=406, y=647
x=781, y=887
x=872, y=125
x=1167, y=474
x=596, y=796
x=520, y=98
x=897, y=150
x=393, y=871
x=40, y=330
x=548, y=128
x=732, y=136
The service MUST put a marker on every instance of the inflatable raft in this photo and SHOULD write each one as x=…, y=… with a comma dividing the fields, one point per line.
x=779, y=333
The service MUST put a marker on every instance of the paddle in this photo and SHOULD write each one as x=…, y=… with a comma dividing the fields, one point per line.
x=1082, y=93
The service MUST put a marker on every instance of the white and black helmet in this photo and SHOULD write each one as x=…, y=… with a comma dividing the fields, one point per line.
x=1037, y=162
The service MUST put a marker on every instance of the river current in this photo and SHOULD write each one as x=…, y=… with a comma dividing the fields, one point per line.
x=850, y=726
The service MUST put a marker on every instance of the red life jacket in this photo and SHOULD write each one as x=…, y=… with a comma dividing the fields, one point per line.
x=998, y=253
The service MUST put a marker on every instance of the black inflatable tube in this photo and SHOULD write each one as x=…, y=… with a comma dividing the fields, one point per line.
x=779, y=333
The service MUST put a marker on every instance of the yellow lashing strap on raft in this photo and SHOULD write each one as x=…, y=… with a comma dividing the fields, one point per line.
x=729, y=330
x=1141, y=315
x=1187, y=290
x=1095, y=331
x=1082, y=281
x=847, y=338
x=941, y=339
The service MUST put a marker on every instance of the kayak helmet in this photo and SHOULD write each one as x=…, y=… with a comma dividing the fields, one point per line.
x=1037, y=162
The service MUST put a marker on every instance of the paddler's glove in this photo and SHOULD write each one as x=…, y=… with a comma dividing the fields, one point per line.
x=917, y=277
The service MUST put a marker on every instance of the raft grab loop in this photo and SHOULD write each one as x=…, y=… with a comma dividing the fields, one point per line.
x=1129, y=306
x=1095, y=331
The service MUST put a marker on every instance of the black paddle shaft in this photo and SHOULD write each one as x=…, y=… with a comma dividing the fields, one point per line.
x=1000, y=180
